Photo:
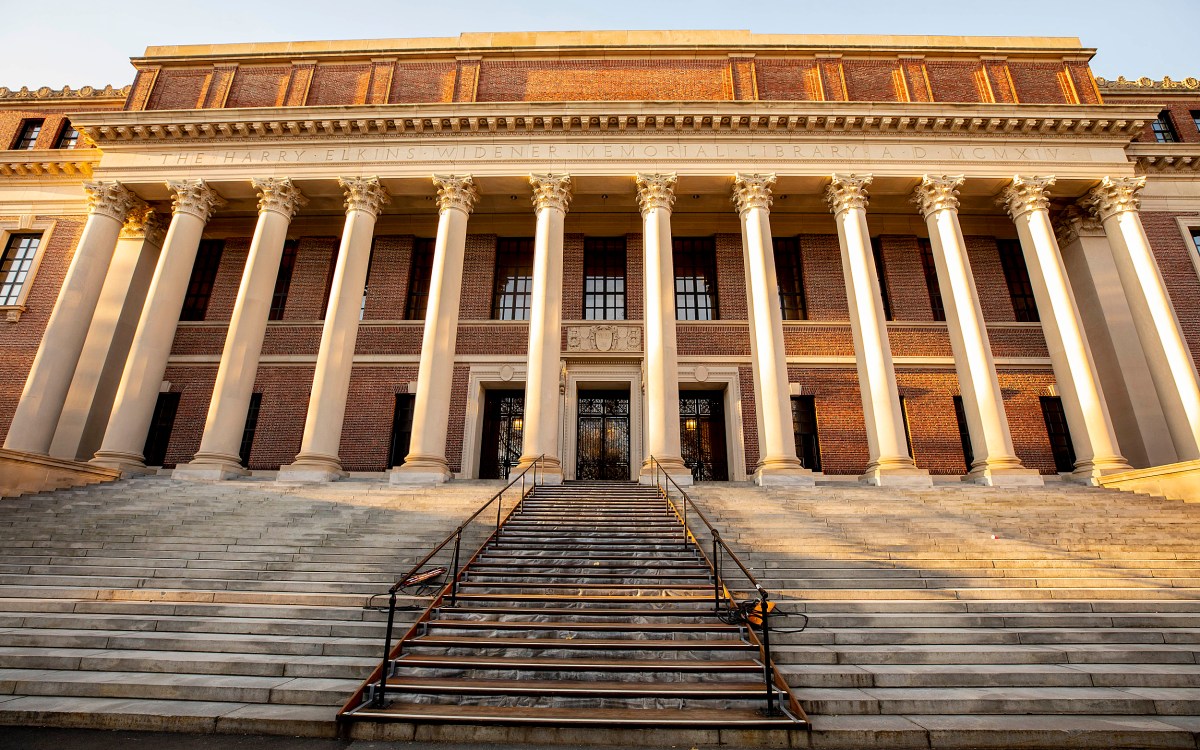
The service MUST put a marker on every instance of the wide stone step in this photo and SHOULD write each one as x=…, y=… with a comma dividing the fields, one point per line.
x=1008, y=700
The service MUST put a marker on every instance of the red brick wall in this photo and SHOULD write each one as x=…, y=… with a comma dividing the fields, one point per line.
x=339, y=84
x=841, y=431
x=731, y=277
x=998, y=77
x=749, y=418
x=367, y=429
x=824, y=286
x=872, y=80
x=782, y=79
x=634, y=282
x=695, y=339
x=907, y=290
x=990, y=283
x=281, y=414
x=194, y=386
x=458, y=417
x=603, y=80
x=228, y=279
x=953, y=81
x=306, y=296
x=177, y=89
x=13, y=121
x=1173, y=252
x=422, y=82
x=1040, y=83
x=387, y=285
x=572, y=293
x=1181, y=116
x=260, y=86
x=479, y=268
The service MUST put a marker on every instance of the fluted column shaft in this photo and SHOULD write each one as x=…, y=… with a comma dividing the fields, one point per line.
x=318, y=458
x=1095, y=441
x=1115, y=202
x=426, y=459
x=220, y=445
x=133, y=407
x=995, y=459
x=889, y=462
x=49, y=380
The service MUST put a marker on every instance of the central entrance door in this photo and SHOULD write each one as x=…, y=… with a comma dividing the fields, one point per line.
x=503, y=425
x=702, y=435
x=603, y=436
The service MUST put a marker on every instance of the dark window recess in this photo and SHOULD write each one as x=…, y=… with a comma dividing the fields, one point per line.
x=248, y=430
x=329, y=273
x=1164, y=128
x=1059, y=433
x=420, y=275
x=931, y=280
x=27, y=138
x=604, y=278
x=1196, y=239
x=283, y=282
x=401, y=428
x=1196, y=118
x=804, y=426
x=514, y=278
x=907, y=429
x=789, y=271
x=1016, y=275
x=15, y=264
x=881, y=274
x=362, y=306
x=204, y=274
x=503, y=431
x=702, y=436
x=695, y=278
x=964, y=432
x=68, y=137
x=155, y=450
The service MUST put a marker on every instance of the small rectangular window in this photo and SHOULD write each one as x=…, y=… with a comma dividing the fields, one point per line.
x=18, y=257
x=68, y=137
x=1164, y=128
x=248, y=430
x=401, y=428
x=330, y=270
x=789, y=271
x=1196, y=239
x=1059, y=433
x=420, y=276
x=161, y=423
x=1016, y=275
x=695, y=261
x=964, y=432
x=362, y=306
x=283, y=281
x=604, y=278
x=931, y=280
x=881, y=274
x=513, y=292
x=804, y=426
x=907, y=431
x=1196, y=118
x=27, y=138
x=204, y=274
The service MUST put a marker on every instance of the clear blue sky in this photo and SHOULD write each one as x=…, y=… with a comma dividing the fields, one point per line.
x=81, y=44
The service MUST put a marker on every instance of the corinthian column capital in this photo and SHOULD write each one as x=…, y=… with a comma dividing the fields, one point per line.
x=194, y=197
x=455, y=192
x=551, y=191
x=278, y=194
x=656, y=191
x=752, y=191
x=144, y=223
x=848, y=191
x=111, y=199
x=1114, y=195
x=1025, y=194
x=364, y=194
x=1074, y=222
x=937, y=193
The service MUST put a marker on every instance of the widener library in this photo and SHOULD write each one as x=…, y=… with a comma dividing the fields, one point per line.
x=749, y=256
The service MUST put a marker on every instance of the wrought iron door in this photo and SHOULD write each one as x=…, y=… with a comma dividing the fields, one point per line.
x=602, y=445
x=503, y=425
x=702, y=436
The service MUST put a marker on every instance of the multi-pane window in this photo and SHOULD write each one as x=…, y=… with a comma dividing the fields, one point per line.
x=789, y=271
x=420, y=275
x=68, y=137
x=1058, y=432
x=512, y=295
x=881, y=274
x=15, y=264
x=1017, y=277
x=248, y=430
x=804, y=426
x=964, y=432
x=27, y=138
x=695, y=278
x=283, y=281
x=1164, y=128
x=931, y=281
x=204, y=274
x=604, y=278
x=1196, y=118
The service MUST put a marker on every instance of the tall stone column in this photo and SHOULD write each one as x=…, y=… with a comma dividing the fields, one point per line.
x=426, y=459
x=133, y=407
x=1173, y=372
x=318, y=458
x=90, y=399
x=889, y=464
x=656, y=196
x=278, y=202
x=996, y=462
x=1096, y=453
x=551, y=196
x=49, y=380
x=778, y=464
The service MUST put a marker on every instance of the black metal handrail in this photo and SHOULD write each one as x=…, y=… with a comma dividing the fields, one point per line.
x=451, y=586
x=720, y=550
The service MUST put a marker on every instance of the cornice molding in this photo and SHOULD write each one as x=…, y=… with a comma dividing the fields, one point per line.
x=551, y=191
x=752, y=191
x=1165, y=157
x=62, y=163
x=87, y=93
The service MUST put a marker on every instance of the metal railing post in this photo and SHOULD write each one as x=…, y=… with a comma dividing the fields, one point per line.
x=716, y=546
x=764, y=602
x=387, y=652
x=499, y=506
x=454, y=574
x=685, y=526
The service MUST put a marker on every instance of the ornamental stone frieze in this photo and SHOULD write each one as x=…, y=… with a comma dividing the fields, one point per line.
x=144, y=223
x=655, y=191
x=455, y=191
x=194, y=197
x=752, y=191
x=364, y=194
x=937, y=193
x=604, y=338
x=1026, y=194
x=278, y=194
x=551, y=191
x=1114, y=195
x=111, y=199
x=848, y=191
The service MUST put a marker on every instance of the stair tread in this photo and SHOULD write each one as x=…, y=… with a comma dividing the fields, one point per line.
x=726, y=717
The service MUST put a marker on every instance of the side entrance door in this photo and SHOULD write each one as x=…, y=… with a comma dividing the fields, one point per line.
x=702, y=435
x=503, y=422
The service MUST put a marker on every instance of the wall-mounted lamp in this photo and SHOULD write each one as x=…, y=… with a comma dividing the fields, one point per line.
x=518, y=423
x=689, y=424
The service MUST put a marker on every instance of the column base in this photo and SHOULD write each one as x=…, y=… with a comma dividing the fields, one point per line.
x=783, y=472
x=672, y=466
x=549, y=470
x=896, y=472
x=1090, y=472
x=1005, y=475
x=129, y=464
x=311, y=467
x=211, y=467
x=421, y=470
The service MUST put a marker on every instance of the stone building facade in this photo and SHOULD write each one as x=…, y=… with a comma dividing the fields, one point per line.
x=744, y=255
